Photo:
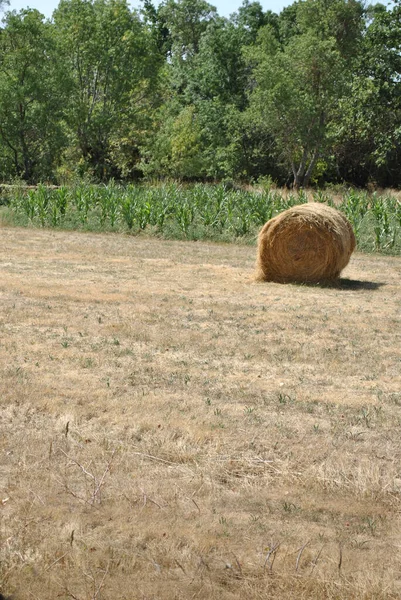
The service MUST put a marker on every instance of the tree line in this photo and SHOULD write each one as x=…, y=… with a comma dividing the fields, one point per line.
x=308, y=96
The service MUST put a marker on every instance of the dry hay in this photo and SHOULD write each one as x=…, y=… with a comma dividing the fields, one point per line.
x=306, y=243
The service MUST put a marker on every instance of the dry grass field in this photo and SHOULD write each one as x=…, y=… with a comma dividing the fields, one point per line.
x=171, y=429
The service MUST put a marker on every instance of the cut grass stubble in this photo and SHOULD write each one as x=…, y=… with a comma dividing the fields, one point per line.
x=171, y=427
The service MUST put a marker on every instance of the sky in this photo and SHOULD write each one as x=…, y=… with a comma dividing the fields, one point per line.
x=224, y=7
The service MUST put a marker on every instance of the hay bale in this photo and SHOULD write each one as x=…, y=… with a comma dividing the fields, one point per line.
x=306, y=243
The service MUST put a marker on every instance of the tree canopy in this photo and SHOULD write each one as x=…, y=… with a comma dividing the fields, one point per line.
x=310, y=95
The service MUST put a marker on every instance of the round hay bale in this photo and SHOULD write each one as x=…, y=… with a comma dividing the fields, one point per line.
x=306, y=243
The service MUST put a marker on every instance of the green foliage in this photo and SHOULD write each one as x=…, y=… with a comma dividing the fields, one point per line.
x=113, y=65
x=369, y=140
x=299, y=84
x=308, y=96
x=216, y=212
x=186, y=21
x=32, y=87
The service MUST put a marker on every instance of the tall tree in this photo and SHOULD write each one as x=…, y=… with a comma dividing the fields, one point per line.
x=297, y=86
x=250, y=18
x=186, y=20
x=217, y=89
x=114, y=67
x=369, y=141
x=175, y=148
x=208, y=95
x=207, y=92
x=32, y=88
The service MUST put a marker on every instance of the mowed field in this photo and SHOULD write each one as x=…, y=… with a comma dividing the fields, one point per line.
x=171, y=429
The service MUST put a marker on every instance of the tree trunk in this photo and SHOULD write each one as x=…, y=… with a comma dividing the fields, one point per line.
x=14, y=151
x=311, y=167
x=304, y=172
x=300, y=173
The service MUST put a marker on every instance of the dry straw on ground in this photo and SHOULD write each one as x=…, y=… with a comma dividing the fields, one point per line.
x=170, y=431
x=306, y=243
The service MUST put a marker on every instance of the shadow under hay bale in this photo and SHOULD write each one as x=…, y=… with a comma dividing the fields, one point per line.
x=308, y=243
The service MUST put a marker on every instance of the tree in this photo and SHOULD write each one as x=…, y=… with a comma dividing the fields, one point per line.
x=217, y=89
x=370, y=137
x=219, y=69
x=114, y=66
x=297, y=86
x=250, y=18
x=180, y=137
x=203, y=109
x=206, y=99
x=32, y=87
x=186, y=21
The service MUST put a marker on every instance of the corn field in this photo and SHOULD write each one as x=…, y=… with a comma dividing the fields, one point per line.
x=200, y=211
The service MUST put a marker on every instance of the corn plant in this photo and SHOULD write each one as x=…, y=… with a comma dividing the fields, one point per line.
x=128, y=209
x=218, y=208
x=323, y=197
x=83, y=199
x=53, y=212
x=143, y=211
x=61, y=196
x=355, y=206
x=42, y=203
x=184, y=212
x=241, y=223
x=26, y=202
x=262, y=207
x=159, y=206
x=397, y=215
x=384, y=230
x=57, y=206
x=204, y=210
x=106, y=199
